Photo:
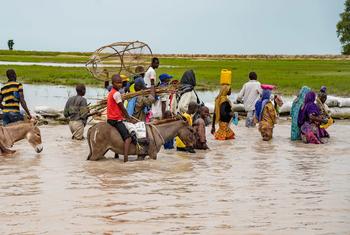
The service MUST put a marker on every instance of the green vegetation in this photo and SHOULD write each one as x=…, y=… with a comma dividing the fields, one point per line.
x=44, y=56
x=289, y=75
x=343, y=28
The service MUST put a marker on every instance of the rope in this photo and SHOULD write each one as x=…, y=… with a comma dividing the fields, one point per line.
x=161, y=137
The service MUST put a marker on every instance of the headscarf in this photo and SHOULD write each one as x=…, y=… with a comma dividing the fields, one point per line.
x=139, y=82
x=221, y=98
x=187, y=83
x=309, y=108
x=296, y=106
x=260, y=104
x=188, y=78
x=322, y=94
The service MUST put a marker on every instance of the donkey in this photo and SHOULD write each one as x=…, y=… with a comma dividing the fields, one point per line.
x=103, y=137
x=18, y=131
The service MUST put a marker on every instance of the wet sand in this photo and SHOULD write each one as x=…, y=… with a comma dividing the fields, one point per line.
x=243, y=186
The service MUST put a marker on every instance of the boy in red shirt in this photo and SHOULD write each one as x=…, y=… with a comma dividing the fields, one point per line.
x=116, y=113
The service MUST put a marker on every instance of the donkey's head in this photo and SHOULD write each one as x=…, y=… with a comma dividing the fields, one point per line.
x=186, y=134
x=34, y=138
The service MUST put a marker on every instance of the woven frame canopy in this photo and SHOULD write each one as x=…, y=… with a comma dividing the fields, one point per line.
x=124, y=58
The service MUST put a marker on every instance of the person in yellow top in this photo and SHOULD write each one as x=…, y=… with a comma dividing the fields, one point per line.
x=192, y=109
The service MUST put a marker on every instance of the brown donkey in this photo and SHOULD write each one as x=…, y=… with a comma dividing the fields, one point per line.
x=18, y=131
x=103, y=137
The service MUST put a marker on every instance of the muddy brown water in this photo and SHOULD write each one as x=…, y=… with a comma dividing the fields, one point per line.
x=243, y=186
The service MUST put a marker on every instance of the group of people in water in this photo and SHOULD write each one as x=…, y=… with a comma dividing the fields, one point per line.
x=309, y=114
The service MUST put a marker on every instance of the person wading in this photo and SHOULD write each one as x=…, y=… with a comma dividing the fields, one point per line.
x=266, y=115
x=249, y=94
x=12, y=95
x=139, y=106
x=222, y=115
x=76, y=110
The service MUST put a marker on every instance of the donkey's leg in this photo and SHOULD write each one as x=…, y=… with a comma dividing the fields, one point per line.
x=97, y=151
x=153, y=156
x=141, y=157
x=5, y=151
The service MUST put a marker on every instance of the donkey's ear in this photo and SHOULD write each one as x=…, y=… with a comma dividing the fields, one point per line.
x=34, y=121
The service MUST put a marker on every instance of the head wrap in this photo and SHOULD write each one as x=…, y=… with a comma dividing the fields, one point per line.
x=187, y=83
x=139, y=82
x=189, y=78
x=322, y=93
x=308, y=108
x=260, y=104
x=296, y=106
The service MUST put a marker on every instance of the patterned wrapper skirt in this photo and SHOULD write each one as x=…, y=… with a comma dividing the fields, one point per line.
x=224, y=132
x=312, y=134
x=266, y=130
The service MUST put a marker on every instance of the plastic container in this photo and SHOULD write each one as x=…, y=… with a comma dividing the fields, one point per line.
x=235, y=119
x=225, y=77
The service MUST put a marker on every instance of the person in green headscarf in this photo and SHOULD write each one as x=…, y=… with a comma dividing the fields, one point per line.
x=294, y=112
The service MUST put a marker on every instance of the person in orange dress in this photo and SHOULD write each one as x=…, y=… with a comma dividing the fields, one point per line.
x=222, y=115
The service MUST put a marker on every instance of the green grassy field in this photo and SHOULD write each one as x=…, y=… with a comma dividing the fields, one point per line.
x=289, y=75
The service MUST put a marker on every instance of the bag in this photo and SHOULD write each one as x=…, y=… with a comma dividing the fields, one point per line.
x=157, y=109
x=235, y=119
x=139, y=128
x=328, y=124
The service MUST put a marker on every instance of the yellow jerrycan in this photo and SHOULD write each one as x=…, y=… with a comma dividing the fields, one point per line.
x=225, y=77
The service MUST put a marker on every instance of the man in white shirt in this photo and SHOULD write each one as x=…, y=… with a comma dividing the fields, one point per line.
x=249, y=94
x=150, y=75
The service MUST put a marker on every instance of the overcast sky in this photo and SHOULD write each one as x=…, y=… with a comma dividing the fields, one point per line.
x=174, y=26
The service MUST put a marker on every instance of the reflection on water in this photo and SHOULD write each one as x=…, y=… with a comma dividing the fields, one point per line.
x=241, y=186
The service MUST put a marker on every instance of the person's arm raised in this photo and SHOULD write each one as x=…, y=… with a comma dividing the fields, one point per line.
x=24, y=104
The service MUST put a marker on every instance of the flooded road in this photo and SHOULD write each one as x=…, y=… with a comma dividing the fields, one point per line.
x=244, y=186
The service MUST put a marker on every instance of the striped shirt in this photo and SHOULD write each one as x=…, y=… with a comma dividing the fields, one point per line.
x=10, y=96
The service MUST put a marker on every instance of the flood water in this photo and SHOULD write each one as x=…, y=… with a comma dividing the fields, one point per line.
x=243, y=186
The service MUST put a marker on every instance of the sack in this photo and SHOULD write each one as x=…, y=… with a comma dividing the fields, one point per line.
x=139, y=128
x=344, y=102
x=341, y=113
x=332, y=101
x=157, y=109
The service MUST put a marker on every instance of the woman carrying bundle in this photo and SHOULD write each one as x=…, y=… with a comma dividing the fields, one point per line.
x=265, y=115
x=223, y=114
x=309, y=121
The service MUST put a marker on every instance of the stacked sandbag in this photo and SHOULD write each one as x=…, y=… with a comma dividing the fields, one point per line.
x=340, y=113
x=332, y=101
x=344, y=102
x=50, y=115
x=286, y=107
